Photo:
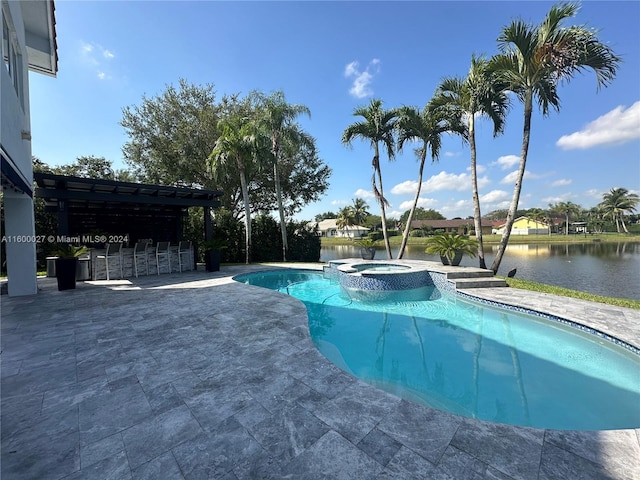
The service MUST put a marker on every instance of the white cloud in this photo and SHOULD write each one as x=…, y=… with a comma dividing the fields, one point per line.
x=340, y=202
x=563, y=182
x=361, y=86
x=405, y=188
x=506, y=161
x=618, y=126
x=96, y=57
x=494, y=196
x=559, y=198
x=362, y=193
x=422, y=202
x=511, y=178
x=452, y=154
x=447, y=181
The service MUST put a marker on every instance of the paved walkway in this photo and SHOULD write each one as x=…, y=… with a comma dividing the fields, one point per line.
x=194, y=376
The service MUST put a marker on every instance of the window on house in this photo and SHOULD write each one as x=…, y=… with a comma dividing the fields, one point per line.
x=12, y=58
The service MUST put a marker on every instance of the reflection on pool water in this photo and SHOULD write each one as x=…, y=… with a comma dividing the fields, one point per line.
x=469, y=359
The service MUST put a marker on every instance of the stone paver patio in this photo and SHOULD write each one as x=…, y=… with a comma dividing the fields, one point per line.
x=194, y=376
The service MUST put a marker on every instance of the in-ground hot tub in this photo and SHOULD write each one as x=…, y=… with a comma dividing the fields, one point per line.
x=371, y=280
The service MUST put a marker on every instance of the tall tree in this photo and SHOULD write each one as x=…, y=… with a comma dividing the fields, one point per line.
x=568, y=209
x=616, y=203
x=278, y=118
x=172, y=135
x=426, y=126
x=376, y=128
x=237, y=145
x=360, y=212
x=533, y=60
x=480, y=93
x=345, y=218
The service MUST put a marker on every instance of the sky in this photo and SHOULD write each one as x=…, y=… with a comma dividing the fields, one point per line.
x=334, y=57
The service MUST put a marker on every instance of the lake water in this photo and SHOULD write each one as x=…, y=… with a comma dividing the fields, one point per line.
x=611, y=269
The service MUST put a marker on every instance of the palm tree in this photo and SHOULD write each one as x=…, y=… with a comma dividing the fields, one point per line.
x=236, y=148
x=345, y=218
x=377, y=127
x=533, y=61
x=481, y=92
x=426, y=126
x=616, y=203
x=538, y=216
x=360, y=212
x=278, y=118
x=568, y=209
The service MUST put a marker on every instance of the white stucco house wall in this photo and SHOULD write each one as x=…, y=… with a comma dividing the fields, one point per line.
x=329, y=228
x=28, y=44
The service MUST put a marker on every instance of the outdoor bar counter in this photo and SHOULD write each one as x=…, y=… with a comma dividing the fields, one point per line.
x=99, y=272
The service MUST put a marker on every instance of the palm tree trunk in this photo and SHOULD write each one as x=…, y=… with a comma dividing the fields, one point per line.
x=383, y=216
x=275, y=149
x=477, y=216
x=511, y=215
x=407, y=228
x=380, y=197
x=247, y=216
x=283, y=225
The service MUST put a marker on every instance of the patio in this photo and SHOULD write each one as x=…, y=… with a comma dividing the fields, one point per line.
x=190, y=376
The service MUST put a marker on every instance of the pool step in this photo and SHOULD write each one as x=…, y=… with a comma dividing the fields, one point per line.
x=481, y=282
x=469, y=273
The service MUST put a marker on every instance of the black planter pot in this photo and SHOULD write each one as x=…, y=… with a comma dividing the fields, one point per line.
x=212, y=260
x=66, y=273
x=368, y=253
x=454, y=262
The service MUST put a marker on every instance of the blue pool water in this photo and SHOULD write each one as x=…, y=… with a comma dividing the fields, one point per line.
x=469, y=359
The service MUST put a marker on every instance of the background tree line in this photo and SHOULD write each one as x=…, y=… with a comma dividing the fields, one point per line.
x=250, y=147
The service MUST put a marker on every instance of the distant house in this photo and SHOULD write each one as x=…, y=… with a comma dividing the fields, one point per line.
x=329, y=228
x=461, y=226
x=28, y=45
x=525, y=226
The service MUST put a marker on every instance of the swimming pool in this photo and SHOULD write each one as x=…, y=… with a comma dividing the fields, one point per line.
x=468, y=358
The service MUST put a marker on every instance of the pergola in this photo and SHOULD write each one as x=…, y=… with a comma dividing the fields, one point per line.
x=88, y=206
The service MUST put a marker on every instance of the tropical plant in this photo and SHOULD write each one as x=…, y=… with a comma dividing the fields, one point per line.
x=426, y=126
x=66, y=250
x=377, y=127
x=345, y=218
x=568, y=209
x=214, y=244
x=366, y=242
x=533, y=60
x=616, y=203
x=277, y=118
x=480, y=93
x=359, y=211
x=448, y=245
x=237, y=144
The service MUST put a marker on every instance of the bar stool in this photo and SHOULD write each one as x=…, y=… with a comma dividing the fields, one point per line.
x=139, y=253
x=113, y=251
x=184, y=248
x=162, y=250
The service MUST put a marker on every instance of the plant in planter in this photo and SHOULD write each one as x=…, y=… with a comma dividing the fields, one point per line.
x=451, y=247
x=67, y=264
x=213, y=253
x=367, y=248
